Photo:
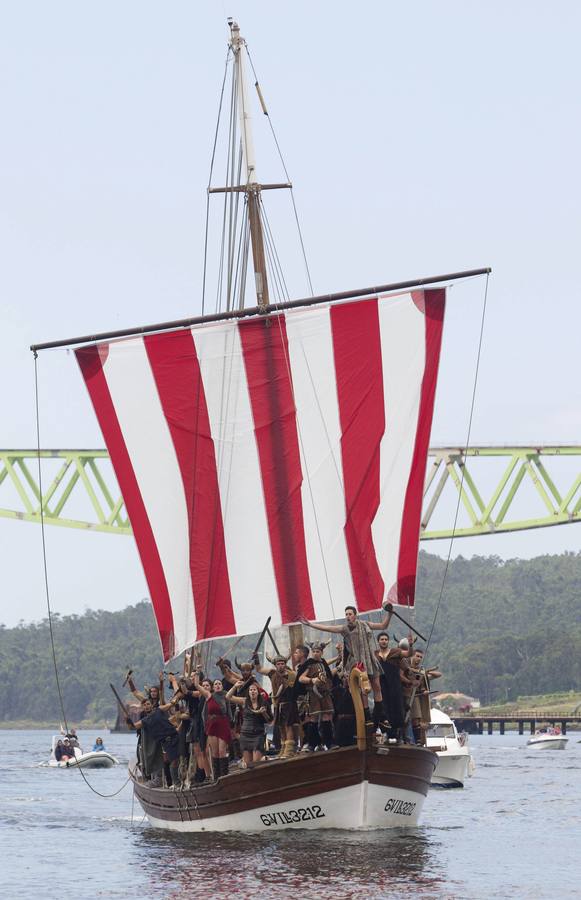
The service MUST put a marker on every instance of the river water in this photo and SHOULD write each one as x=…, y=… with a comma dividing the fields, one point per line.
x=514, y=831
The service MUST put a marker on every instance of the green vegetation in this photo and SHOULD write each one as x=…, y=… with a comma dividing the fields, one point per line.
x=505, y=630
x=562, y=702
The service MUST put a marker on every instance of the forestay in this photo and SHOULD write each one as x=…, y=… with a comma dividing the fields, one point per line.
x=273, y=466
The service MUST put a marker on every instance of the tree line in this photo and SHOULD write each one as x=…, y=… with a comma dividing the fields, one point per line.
x=503, y=628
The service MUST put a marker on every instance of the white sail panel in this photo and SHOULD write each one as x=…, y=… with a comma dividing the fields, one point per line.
x=248, y=552
x=312, y=364
x=403, y=352
x=146, y=435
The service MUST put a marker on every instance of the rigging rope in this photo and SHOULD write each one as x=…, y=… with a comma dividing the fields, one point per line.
x=267, y=114
x=210, y=182
x=47, y=591
x=467, y=444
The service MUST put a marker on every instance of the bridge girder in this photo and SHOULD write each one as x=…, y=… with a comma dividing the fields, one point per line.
x=80, y=490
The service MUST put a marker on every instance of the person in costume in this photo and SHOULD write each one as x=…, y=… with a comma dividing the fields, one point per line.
x=255, y=715
x=419, y=694
x=318, y=678
x=199, y=764
x=390, y=660
x=159, y=743
x=218, y=732
x=359, y=648
x=286, y=715
x=153, y=692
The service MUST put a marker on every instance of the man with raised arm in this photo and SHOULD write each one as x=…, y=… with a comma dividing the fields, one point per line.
x=358, y=646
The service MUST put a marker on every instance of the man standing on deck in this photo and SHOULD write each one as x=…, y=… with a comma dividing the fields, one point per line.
x=358, y=648
x=286, y=716
x=318, y=679
x=417, y=691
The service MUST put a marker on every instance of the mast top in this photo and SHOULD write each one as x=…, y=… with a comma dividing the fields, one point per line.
x=236, y=40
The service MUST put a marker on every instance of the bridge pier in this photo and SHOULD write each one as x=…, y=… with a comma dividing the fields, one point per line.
x=490, y=727
x=502, y=727
x=533, y=724
x=564, y=726
x=521, y=726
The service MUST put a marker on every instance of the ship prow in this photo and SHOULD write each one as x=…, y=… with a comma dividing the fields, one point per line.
x=383, y=787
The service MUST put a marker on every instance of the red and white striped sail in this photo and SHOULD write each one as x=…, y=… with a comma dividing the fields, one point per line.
x=273, y=467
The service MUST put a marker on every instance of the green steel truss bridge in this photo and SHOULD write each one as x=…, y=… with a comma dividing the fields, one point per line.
x=501, y=489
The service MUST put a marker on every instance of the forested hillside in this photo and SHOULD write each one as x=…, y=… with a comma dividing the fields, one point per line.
x=504, y=628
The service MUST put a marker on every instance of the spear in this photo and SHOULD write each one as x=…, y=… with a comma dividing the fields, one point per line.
x=261, y=638
x=272, y=641
x=120, y=701
x=407, y=624
x=228, y=652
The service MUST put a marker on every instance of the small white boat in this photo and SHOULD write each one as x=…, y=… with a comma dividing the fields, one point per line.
x=455, y=763
x=551, y=739
x=94, y=759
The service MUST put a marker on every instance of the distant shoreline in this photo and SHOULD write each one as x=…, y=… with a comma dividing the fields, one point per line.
x=30, y=725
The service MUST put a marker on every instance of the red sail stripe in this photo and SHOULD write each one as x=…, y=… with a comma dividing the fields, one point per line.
x=90, y=360
x=176, y=370
x=432, y=303
x=359, y=374
x=265, y=351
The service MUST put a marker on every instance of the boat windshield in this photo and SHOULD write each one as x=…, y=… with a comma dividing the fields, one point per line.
x=441, y=731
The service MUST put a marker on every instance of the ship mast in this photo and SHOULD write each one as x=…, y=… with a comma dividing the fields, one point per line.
x=252, y=187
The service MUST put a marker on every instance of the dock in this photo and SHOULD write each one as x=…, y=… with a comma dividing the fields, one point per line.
x=531, y=718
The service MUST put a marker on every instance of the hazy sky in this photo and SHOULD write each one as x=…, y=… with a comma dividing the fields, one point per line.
x=421, y=138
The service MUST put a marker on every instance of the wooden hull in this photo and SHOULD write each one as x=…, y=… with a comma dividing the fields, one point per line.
x=346, y=788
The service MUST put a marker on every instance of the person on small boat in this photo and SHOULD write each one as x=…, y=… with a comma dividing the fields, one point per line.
x=286, y=716
x=319, y=712
x=99, y=745
x=217, y=727
x=67, y=751
x=359, y=648
x=389, y=659
x=58, y=751
x=72, y=738
x=255, y=715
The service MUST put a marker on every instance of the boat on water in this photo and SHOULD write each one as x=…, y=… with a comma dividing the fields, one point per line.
x=455, y=762
x=92, y=759
x=272, y=461
x=548, y=739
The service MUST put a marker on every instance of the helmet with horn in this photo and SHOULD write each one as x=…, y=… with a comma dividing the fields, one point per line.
x=245, y=668
x=278, y=657
x=318, y=645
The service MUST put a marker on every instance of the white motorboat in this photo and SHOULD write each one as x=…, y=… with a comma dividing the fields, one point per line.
x=455, y=763
x=551, y=739
x=94, y=759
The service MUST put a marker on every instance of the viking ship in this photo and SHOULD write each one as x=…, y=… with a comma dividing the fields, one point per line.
x=272, y=460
